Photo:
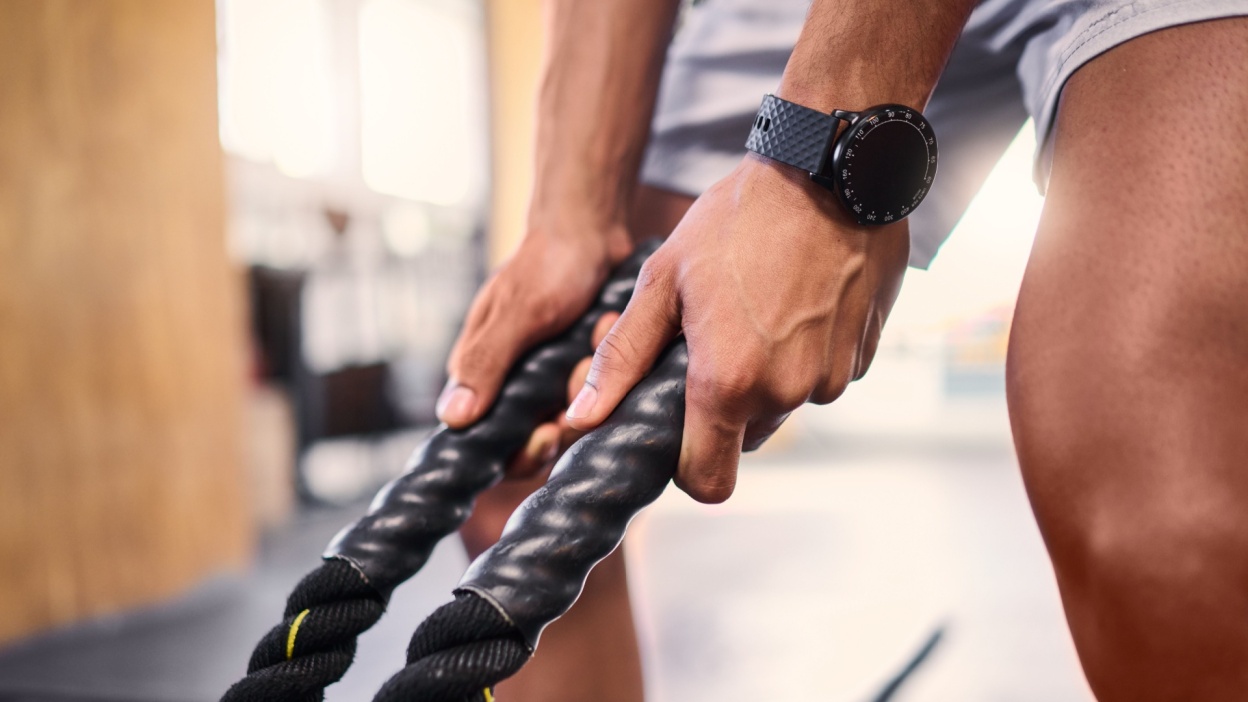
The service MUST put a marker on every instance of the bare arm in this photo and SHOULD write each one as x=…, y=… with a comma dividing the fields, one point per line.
x=599, y=85
x=596, y=98
x=858, y=53
x=780, y=296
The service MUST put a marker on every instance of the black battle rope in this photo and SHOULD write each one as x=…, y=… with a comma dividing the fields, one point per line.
x=314, y=644
x=537, y=569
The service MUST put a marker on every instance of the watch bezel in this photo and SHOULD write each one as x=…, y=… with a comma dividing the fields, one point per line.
x=860, y=125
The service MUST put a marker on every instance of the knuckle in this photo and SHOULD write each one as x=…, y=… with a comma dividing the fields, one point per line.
x=760, y=431
x=731, y=382
x=545, y=312
x=754, y=443
x=709, y=490
x=543, y=305
x=653, y=268
x=787, y=395
x=655, y=274
x=700, y=385
x=737, y=381
x=864, y=363
x=830, y=390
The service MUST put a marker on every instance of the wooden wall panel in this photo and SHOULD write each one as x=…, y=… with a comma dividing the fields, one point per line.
x=515, y=35
x=120, y=320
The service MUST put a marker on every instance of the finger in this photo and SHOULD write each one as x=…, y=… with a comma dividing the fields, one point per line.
x=550, y=440
x=540, y=451
x=576, y=381
x=710, y=449
x=759, y=431
x=568, y=436
x=628, y=350
x=492, y=339
x=602, y=327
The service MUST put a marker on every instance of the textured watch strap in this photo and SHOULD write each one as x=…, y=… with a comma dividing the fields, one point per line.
x=792, y=134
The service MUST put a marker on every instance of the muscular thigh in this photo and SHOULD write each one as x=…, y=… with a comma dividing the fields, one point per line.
x=1132, y=325
x=1128, y=369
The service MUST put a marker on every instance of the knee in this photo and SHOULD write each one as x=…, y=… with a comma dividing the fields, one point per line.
x=490, y=514
x=1127, y=499
x=482, y=529
x=1148, y=553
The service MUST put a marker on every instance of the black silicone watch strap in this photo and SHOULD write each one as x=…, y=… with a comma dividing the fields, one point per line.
x=792, y=134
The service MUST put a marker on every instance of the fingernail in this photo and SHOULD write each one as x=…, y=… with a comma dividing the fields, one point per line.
x=456, y=403
x=583, y=403
x=542, y=452
x=549, y=453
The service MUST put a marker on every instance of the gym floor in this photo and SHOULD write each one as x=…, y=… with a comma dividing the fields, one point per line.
x=825, y=573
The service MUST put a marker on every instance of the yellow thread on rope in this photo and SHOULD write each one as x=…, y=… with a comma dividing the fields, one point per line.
x=489, y=696
x=294, y=630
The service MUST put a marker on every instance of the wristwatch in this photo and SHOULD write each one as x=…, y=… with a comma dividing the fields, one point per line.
x=880, y=166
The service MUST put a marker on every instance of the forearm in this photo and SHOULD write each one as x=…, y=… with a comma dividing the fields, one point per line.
x=853, y=54
x=598, y=89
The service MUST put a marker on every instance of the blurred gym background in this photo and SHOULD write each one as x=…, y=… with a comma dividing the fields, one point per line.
x=236, y=242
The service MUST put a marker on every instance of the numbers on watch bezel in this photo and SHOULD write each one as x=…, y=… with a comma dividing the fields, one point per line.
x=856, y=142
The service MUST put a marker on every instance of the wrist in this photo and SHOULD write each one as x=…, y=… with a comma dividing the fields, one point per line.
x=847, y=90
x=596, y=189
x=792, y=194
x=586, y=208
x=597, y=240
x=793, y=189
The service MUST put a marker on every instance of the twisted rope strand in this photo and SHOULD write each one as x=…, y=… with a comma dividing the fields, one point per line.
x=314, y=644
x=458, y=654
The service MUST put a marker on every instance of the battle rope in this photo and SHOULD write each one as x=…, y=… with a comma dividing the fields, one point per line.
x=895, y=683
x=538, y=567
x=533, y=574
x=315, y=643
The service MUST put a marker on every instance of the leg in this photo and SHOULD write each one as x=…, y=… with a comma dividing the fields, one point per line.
x=591, y=652
x=1128, y=380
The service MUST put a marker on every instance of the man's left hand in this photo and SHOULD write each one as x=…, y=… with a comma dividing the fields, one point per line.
x=781, y=298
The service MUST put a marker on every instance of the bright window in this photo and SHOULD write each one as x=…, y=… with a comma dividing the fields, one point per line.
x=422, y=105
x=277, y=86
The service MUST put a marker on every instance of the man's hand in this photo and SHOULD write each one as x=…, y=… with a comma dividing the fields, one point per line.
x=549, y=283
x=781, y=299
x=595, y=102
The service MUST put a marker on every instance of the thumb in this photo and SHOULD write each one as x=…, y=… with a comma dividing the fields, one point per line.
x=629, y=350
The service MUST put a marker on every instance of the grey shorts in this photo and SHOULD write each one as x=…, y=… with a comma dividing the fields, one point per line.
x=1011, y=62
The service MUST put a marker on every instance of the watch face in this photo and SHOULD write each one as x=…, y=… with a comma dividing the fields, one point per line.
x=884, y=163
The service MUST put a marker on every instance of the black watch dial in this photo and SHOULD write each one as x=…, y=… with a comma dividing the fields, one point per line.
x=883, y=163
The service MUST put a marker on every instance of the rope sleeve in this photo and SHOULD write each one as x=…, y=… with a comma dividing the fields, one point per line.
x=538, y=568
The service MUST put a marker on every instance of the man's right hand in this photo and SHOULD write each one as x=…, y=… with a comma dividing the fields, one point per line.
x=595, y=101
x=541, y=290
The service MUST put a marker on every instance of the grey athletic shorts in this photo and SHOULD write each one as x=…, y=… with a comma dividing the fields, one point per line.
x=1012, y=60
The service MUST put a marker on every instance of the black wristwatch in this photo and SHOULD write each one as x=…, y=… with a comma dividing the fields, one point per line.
x=880, y=167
